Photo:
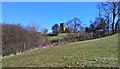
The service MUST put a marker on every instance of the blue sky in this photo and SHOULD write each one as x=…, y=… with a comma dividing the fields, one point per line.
x=46, y=14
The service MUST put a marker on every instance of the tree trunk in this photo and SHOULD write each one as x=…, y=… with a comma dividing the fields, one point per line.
x=113, y=23
x=108, y=25
x=116, y=27
x=75, y=26
x=114, y=15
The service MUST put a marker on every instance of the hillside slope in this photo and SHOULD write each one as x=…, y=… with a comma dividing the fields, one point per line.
x=97, y=52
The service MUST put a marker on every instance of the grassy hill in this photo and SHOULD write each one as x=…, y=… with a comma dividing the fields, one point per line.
x=97, y=52
x=59, y=36
x=62, y=36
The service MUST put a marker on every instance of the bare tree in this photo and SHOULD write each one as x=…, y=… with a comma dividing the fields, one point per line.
x=16, y=38
x=106, y=14
x=109, y=9
x=74, y=24
x=118, y=21
x=44, y=31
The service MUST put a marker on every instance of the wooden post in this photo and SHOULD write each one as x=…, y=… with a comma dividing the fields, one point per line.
x=24, y=46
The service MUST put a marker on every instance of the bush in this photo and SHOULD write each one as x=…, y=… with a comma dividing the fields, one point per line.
x=15, y=39
x=52, y=34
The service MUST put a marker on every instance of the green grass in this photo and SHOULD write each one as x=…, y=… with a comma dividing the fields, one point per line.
x=99, y=52
x=59, y=36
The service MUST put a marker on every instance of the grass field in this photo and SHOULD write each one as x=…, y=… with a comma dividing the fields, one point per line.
x=59, y=36
x=98, y=52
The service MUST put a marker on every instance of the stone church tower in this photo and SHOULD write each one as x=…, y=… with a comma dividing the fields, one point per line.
x=62, y=27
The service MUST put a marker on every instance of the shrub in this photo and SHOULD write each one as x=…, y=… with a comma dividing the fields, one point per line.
x=15, y=39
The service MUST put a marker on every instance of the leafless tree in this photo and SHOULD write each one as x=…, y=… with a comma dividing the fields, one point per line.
x=109, y=9
x=16, y=38
x=44, y=31
x=118, y=21
x=74, y=24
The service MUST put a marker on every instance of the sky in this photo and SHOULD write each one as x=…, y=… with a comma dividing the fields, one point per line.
x=46, y=14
